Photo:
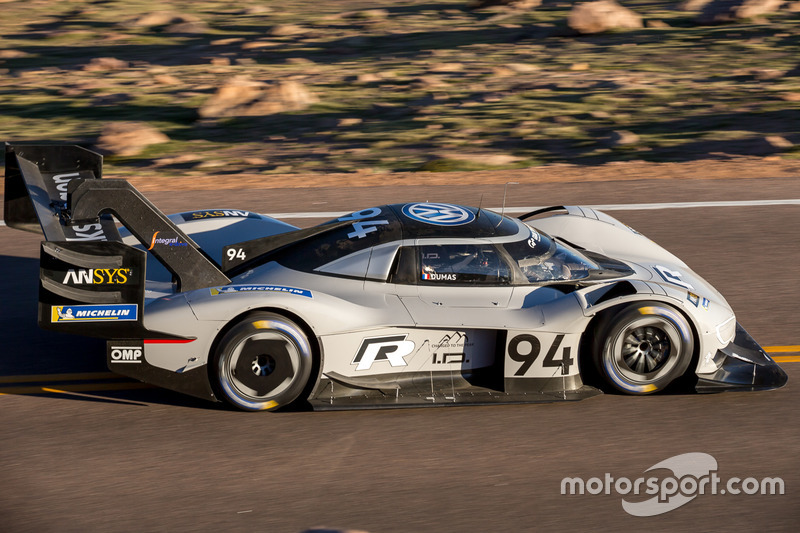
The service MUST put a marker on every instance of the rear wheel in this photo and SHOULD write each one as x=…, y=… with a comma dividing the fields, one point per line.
x=644, y=348
x=263, y=362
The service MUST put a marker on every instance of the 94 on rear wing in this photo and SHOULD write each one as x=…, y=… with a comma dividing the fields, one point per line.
x=91, y=283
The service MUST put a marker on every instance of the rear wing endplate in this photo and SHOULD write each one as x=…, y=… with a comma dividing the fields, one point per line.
x=36, y=187
x=90, y=282
x=57, y=189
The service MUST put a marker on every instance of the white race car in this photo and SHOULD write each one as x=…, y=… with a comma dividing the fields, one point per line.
x=403, y=305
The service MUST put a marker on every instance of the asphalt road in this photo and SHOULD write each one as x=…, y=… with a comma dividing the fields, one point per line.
x=150, y=460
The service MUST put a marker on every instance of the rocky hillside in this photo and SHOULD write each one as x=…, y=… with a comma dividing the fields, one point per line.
x=205, y=87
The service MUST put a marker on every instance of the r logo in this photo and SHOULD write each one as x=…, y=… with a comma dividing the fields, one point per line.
x=392, y=349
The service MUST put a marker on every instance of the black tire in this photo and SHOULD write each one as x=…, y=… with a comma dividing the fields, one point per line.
x=263, y=362
x=643, y=348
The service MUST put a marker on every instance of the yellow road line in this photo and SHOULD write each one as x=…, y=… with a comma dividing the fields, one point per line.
x=787, y=358
x=782, y=349
x=36, y=378
x=80, y=387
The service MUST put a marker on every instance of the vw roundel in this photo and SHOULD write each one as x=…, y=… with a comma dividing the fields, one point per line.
x=438, y=214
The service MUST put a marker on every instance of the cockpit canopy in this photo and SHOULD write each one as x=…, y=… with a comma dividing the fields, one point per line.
x=397, y=222
x=436, y=243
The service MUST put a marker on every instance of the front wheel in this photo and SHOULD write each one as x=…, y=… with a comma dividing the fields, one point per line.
x=263, y=362
x=643, y=348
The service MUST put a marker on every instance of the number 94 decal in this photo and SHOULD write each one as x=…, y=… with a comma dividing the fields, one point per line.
x=541, y=355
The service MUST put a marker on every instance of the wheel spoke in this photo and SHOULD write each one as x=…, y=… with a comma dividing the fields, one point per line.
x=629, y=349
x=641, y=363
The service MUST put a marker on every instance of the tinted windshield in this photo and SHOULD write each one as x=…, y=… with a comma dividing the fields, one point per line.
x=542, y=258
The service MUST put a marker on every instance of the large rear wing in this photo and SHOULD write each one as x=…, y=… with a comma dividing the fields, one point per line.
x=92, y=283
x=36, y=189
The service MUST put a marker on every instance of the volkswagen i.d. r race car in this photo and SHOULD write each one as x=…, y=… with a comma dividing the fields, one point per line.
x=402, y=305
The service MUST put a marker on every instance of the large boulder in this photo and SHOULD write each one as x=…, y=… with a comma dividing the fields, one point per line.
x=515, y=4
x=721, y=11
x=156, y=19
x=287, y=30
x=602, y=15
x=242, y=96
x=128, y=138
x=171, y=22
x=693, y=5
x=100, y=64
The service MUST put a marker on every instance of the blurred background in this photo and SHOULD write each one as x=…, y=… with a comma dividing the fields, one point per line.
x=265, y=88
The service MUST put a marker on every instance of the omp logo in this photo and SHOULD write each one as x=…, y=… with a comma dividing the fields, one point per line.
x=62, y=182
x=392, y=349
x=98, y=276
x=438, y=214
x=126, y=354
x=166, y=241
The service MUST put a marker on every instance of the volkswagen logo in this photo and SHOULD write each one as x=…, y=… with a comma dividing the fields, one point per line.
x=438, y=214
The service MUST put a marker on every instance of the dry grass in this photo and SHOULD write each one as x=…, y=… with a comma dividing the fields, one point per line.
x=420, y=85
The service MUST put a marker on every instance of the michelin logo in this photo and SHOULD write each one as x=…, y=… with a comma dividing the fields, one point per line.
x=94, y=313
x=260, y=288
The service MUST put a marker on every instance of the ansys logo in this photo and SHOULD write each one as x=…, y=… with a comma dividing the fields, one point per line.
x=97, y=276
x=693, y=474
